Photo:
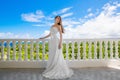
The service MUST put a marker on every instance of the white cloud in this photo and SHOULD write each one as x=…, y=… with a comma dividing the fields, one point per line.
x=70, y=22
x=33, y=17
x=13, y=35
x=67, y=15
x=46, y=24
x=101, y=24
x=110, y=8
x=89, y=15
x=39, y=25
x=45, y=20
x=89, y=10
x=105, y=25
x=64, y=10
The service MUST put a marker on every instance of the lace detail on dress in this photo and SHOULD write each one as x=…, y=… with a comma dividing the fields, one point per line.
x=57, y=67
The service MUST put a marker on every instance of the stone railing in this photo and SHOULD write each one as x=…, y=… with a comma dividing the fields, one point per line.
x=25, y=53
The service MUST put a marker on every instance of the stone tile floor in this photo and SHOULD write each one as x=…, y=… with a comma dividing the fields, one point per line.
x=101, y=73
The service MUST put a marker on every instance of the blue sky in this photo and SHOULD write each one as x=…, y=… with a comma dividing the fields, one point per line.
x=81, y=18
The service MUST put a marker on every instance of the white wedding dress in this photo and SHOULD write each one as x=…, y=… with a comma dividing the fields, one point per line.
x=56, y=66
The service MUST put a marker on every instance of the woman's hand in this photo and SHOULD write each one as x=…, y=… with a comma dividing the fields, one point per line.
x=59, y=46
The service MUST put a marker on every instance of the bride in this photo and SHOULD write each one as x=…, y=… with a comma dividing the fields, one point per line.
x=57, y=67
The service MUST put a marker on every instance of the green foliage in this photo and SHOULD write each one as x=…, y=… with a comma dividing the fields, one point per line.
x=70, y=53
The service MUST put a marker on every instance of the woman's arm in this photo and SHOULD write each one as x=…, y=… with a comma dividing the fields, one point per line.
x=60, y=32
x=45, y=36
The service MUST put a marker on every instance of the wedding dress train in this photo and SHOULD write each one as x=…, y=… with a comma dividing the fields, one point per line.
x=56, y=66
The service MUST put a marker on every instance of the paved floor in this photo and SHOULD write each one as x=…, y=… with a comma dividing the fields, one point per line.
x=101, y=73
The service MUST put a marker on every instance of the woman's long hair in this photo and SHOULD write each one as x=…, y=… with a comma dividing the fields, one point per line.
x=60, y=23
